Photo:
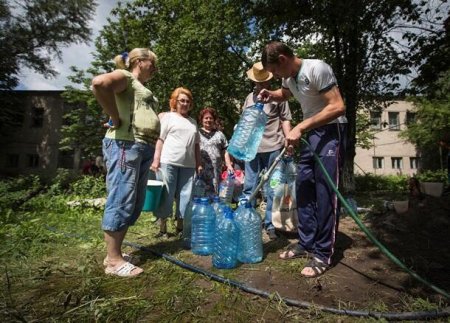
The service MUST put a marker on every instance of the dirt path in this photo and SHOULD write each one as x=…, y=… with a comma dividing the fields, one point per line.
x=363, y=278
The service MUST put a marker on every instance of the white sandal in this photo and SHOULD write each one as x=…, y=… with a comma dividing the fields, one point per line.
x=125, y=270
x=125, y=256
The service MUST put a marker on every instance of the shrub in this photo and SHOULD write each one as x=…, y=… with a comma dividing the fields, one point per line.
x=371, y=182
x=439, y=176
x=89, y=186
x=15, y=191
x=60, y=183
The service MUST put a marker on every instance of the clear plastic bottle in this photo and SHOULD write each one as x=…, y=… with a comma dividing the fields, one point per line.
x=226, y=188
x=278, y=177
x=220, y=214
x=218, y=204
x=226, y=242
x=199, y=187
x=187, y=221
x=250, y=236
x=203, y=228
x=291, y=170
x=248, y=133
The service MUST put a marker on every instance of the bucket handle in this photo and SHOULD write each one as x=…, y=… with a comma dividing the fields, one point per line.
x=160, y=176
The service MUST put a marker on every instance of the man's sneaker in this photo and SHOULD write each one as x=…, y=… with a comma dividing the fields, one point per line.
x=272, y=234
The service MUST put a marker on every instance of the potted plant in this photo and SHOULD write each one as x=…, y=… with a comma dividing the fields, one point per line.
x=432, y=182
x=400, y=202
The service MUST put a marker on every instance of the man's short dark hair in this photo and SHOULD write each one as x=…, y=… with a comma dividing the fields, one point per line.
x=273, y=50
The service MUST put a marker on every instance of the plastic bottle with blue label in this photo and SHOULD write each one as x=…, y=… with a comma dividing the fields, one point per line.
x=248, y=133
x=248, y=221
x=226, y=242
x=203, y=228
x=187, y=221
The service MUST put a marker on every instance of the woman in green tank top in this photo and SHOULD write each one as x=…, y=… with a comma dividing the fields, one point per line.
x=128, y=148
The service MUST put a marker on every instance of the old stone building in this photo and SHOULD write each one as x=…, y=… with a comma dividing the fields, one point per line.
x=34, y=146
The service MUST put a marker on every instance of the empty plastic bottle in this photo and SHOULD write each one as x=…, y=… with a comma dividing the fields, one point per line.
x=226, y=242
x=220, y=214
x=278, y=176
x=291, y=170
x=226, y=188
x=203, y=227
x=248, y=133
x=187, y=221
x=218, y=204
x=199, y=187
x=250, y=236
x=285, y=172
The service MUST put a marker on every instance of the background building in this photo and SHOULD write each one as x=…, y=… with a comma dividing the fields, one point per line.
x=34, y=147
x=390, y=154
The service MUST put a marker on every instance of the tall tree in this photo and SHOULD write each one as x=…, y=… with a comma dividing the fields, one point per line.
x=201, y=45
x=368, y=43
x=32, y=33
x=433, y=57
x=432, y=122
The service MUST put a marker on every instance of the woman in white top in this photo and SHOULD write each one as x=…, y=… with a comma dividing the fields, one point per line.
x=177, y=154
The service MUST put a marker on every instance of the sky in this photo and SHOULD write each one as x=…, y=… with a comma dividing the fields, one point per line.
x=78, y=55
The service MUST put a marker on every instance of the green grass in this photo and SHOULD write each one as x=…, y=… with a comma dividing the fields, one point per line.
x=51, y=271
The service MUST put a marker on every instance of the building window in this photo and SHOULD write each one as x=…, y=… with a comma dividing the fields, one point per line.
x=397, y=162
x=394, y=122
x=378, y=162
x=12, y=161
x=375, y=119
x=37, y=118
x=410, y=118
x=33, y=160
x=413, y=162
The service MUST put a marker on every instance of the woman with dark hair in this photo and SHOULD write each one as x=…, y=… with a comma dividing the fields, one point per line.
x=177, y=154
x=213, y=144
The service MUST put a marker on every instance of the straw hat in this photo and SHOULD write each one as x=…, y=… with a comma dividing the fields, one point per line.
x=258, y=74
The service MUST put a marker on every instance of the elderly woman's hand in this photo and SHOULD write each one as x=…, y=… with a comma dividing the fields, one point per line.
x=154, y=166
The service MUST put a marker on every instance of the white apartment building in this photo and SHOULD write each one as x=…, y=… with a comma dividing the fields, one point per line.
x=389, y=155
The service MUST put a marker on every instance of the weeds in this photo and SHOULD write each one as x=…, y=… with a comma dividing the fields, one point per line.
x=52, y=254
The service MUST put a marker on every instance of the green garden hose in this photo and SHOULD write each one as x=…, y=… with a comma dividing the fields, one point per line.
x=370, y=235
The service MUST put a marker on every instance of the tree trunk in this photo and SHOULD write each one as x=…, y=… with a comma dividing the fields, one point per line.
x=76, y=158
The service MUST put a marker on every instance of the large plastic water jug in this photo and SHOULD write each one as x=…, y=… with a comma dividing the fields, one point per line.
x=248, y=133
x=226, y=242
x=187, y=221
x=250, y=248
x=203, y=228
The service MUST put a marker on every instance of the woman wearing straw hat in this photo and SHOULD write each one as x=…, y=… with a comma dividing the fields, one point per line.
x=277, y=127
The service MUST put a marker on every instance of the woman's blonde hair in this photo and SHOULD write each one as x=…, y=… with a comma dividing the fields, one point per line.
x=174, y=97
x=127, y=61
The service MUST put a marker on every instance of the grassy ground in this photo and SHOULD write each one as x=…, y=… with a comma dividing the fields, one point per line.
x=51, y=261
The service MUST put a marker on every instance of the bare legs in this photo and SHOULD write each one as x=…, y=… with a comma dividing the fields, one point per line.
x=114, y=241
